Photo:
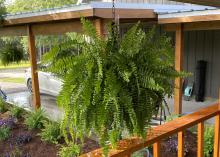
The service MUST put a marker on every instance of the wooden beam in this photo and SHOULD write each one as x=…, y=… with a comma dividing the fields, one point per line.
x=77, y=14
x=34, y=73
x=56, y=28
x=179, y=67
x=212, y=25
x=215, y=3
x=99, y=25
x=49, y=17
x=125, y=13
x=188, y=19
x=13, y=31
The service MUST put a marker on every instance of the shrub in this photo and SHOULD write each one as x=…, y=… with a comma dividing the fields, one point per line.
x=72, y=150
x=12, y=51
x=2, y=106
x=209, y=141
x=51, y=132
x=16, y=111
x=34, y=120
x=4, y=133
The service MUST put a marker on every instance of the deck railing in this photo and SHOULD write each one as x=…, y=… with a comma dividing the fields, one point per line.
x=126, y=147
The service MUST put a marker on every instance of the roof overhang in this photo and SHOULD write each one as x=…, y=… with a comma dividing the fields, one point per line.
x=215, y=3
x=75, y=12
x=190, y=16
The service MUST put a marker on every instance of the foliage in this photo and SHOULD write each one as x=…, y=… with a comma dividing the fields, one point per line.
x=172, y=117
x=51, y=132
x=31, y=5
x=2, y=106
x=2, y=10
x=16, y=111
x=23, y=139
x=34, y=120
x=72, y=150
x=113, y=84
x=173, y=145
x=9, y=123
x=209, y=141
x=4, y=133
x=15, y=151
x=11, y=51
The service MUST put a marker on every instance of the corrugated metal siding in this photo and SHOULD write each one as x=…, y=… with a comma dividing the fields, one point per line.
x=146, y=1
x=198, y=45
x=204, y=45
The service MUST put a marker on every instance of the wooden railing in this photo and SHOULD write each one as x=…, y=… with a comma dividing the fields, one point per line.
x=126, y=147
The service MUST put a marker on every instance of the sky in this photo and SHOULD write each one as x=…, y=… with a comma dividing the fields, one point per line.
x=9, y=1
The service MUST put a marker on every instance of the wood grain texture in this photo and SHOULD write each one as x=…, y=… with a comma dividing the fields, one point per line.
x=49, y=17
x=156, y=149
x=217, y=136
x=179, y=49
x=34, y=73
x=200, y=142
x=99, y=25
x=87, y=13
x=180, y=152
x=128, y=146
x=211, y=25
x=126, y=13
x=187, y=19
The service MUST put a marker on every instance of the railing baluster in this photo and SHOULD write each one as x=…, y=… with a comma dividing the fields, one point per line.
x=156, y=149
x=200, y=139
x=181, y=144
x=217, y=135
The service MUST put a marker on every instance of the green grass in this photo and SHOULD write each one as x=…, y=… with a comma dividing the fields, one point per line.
x=13, y=80
x=22, y=64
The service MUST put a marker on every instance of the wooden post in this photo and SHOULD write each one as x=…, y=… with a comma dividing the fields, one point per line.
x=156, y=149
x=217, y=136
x=99, y=27
x=181, y=144
x=34, y=73
x=200, y=140
x=179, y=67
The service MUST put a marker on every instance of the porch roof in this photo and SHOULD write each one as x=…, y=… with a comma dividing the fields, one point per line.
x=209, y=14
x=99, y=10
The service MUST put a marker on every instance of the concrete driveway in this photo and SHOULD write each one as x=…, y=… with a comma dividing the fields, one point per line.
x=17, y=93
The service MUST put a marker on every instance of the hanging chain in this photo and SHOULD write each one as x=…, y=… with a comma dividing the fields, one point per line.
x=113, y=11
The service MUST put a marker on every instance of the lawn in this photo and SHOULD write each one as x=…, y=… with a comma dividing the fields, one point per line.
x=22, y=64
x=13, y=80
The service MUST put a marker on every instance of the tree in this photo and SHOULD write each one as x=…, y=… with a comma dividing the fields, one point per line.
x=111, y=85
x=31, y=5
x=2, y=9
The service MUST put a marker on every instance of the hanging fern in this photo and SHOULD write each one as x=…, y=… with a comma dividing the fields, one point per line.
x=113, y=84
